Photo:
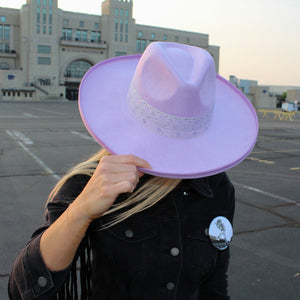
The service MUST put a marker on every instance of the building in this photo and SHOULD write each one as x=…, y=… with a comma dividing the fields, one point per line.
x=45, y=51
x=260, y=96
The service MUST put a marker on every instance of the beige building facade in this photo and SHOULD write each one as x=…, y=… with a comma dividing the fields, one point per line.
x=45, y=51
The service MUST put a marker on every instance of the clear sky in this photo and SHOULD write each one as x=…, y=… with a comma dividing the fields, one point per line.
x=259, y=39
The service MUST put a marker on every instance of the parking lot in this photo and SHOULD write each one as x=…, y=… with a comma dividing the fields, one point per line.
x=40, y=141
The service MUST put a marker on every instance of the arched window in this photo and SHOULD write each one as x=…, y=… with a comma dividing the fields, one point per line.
x=77, y=68
x=4, y=66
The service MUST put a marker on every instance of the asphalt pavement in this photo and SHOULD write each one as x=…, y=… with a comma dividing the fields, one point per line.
x=40, y=141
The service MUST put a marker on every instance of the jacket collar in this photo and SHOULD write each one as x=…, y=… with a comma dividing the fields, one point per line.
x=202, y=186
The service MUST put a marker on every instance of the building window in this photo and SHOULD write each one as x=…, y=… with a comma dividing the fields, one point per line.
x=38, y=2
x=140, y=34
x=77, y=69
x=38, y=29
x=67, y=34
x=187, y=39
x=121, y=37
x=38, y=15
x=96, y=25
x=44, y=29
x=116, y=24
x=176, y=38
x=140, y=45
x=50, y=3
x=44, y=3
x=152, y=36
x=95, y=36
x=44, y=15
x=44, y=60
x=126, y=26
x=50, y=16
x=126, y=13
x=3, y=19
x=121, y=12
x=120, y=53
x=44, y=49
x=165, y=37
x=116, y=12
x=116, y=37
x=4, y=66
x=81, y=24
x=98, y=37
x=6, y=33
x=126, y=38
x=83, y=35
x=66, y=22
x=1, y=32
x=121, y=25
x=50, y=30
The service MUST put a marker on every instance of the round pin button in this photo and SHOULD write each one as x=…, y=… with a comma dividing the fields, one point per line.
x=170, y=286
x=42, y=281
x=129, y=233
x=174, y=251
x=220, y=232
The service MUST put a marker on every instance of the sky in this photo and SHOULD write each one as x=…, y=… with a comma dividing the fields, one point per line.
x=258, y=39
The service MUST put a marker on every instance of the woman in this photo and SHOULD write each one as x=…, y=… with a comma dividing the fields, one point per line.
x=145, y=225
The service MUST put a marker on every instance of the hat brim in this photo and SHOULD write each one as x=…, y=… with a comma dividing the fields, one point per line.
x=228, y=140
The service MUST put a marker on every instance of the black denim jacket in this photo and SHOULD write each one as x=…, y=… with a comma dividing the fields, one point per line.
x=158, y=254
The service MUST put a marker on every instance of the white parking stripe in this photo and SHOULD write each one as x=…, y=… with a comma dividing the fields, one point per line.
x=37, y=159
x=30, y=115
x=20, y=136
x=267, y=194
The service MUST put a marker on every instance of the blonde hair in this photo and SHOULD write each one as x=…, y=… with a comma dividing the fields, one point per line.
x=142, y=198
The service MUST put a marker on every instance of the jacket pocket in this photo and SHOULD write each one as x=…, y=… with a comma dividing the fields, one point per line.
x=127, y=244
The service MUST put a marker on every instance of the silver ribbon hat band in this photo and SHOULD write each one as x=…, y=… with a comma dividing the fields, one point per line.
x=165, y=124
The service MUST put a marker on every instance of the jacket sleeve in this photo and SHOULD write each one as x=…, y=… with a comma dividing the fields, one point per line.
x=29, y=277
x=215, y=287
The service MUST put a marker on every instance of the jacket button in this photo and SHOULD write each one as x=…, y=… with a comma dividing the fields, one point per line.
x=42, y=281
x=174, y=251
x=170, y=286
x=129, y=233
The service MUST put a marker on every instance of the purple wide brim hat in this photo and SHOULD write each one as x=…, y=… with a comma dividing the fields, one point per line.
x=227, y=137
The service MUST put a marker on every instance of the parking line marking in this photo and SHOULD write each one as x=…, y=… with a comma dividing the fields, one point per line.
x=266, y=193
x=294, y=169
x=37, y=159
x=24, y=139
x=84, y=136
x=30, y=115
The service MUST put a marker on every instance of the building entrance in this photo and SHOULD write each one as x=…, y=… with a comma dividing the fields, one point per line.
x=72, y=91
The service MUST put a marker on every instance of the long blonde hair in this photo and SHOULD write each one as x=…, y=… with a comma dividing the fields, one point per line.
x=142, y=198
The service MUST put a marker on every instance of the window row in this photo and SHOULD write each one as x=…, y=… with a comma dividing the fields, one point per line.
x=81, y=35
x=121, y=38
x=43, y=29
x=17, y=94
x=164, y=37
x=38, y=2
x=120, y=12
x=119, y=25
x=43, y=49
x=43, y=15
x=44, y=60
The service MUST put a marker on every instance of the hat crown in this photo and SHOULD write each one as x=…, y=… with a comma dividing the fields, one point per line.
x=173, y=89
x=176, y=79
